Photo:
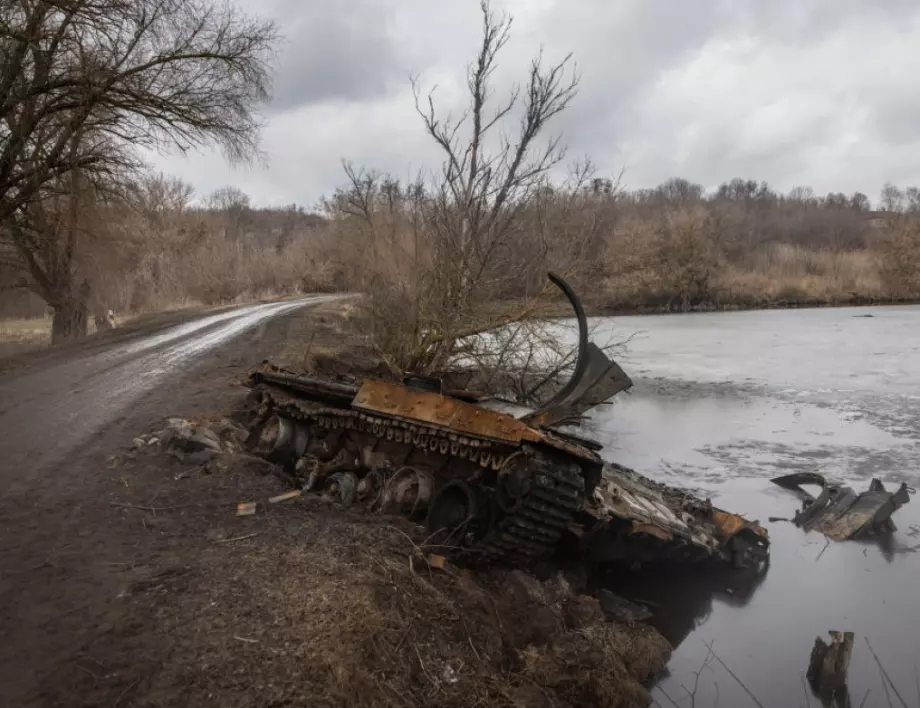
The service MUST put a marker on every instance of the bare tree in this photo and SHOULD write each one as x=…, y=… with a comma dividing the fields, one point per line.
x=463, y=235
x=85, y=83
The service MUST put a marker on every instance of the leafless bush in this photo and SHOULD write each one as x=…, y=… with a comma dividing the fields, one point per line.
x=466, y=250
x=899, y=251
x=686, y=256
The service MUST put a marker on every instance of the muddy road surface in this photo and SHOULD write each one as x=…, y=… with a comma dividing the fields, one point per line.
x=47, y=412
x=724, y=402
x=60, y=420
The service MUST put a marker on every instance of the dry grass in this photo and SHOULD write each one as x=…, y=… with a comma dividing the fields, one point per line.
x=21, y=335
x=790, y=272
x=25, y=329
x=309, y=604
x=690, y=261
x=351, y=615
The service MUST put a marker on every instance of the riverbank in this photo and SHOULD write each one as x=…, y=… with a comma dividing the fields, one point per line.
x=742, y=305
x=141, y=585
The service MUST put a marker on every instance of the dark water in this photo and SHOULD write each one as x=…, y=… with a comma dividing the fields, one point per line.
x=724, y=402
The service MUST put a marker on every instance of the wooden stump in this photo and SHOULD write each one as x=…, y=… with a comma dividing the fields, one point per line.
x=827, y=668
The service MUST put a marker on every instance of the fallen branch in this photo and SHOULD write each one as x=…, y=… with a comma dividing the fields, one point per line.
x=732, y=674
x=237, y=538
x=153, y=509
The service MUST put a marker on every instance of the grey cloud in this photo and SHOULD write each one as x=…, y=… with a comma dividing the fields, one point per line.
x=794, y=93
x=896, y=120
x=340, y=50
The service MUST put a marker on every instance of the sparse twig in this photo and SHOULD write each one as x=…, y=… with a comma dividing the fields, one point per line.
x=885, y=676
x=665, y=694
x=827, y=542
x=125, y=692
x=734, y=676
x=421, y=663
x=917, y=683
x=707, y=660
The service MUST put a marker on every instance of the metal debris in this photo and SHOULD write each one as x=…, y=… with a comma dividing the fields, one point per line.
x=284, y=497
x=246, y=508
x=642, y=521
x=839, y=512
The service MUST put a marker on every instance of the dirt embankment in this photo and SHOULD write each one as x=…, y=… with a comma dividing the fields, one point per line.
x=306, y=603
x=141, y=586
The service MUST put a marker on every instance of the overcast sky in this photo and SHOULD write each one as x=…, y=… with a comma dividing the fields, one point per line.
x=824, y=93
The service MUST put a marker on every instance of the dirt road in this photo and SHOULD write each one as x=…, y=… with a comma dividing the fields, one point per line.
x=62, y=552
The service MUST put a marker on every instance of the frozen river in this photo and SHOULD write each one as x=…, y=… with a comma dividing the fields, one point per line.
x=722, y=403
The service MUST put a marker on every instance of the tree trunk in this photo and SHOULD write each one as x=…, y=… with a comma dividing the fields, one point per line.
x=69, y=321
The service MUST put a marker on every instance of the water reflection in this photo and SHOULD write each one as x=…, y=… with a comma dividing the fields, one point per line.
x=681, y=600
x=779, y=394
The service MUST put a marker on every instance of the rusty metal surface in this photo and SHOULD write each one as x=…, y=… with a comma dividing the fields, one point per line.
x=459, y=416
x=681, y=526
x=564, y=445
x=730, y=524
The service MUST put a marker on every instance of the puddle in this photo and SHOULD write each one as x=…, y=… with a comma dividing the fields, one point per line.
x=811, y=394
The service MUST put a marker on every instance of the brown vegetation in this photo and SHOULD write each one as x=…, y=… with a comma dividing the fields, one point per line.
x=456, y=252
x=307, y=600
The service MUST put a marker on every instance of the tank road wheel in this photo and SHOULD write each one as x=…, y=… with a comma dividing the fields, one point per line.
x=307, y=470
x=274, y=438
x=459, y=515
x=341, y=487
x=514, y=482
x=408, y=492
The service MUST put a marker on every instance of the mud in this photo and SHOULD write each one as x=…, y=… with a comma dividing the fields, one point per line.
x=47, y=412
x=724, y=402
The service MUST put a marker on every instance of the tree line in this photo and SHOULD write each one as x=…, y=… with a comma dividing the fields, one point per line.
x=462, y=249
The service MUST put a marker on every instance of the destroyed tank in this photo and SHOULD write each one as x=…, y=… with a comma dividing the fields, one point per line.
x=501, y=487
x=490, y=485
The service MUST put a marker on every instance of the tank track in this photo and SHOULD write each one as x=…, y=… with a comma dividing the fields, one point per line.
x=533, y=527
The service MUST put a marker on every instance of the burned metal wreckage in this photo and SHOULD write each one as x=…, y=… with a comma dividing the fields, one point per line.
x=490, y=487
x=838, y=511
